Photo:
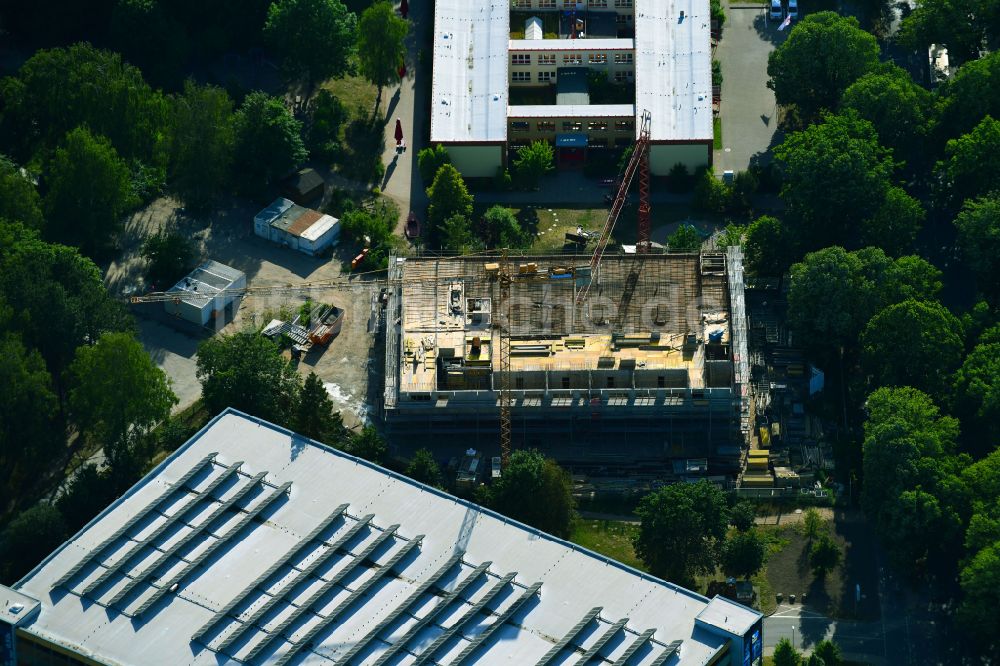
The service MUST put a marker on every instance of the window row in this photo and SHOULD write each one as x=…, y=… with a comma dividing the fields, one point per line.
x=572, y=126
x=573, y=4
x=523, y=59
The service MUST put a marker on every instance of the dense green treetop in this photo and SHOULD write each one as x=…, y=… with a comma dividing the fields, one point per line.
x=201, y=155
x=978, y=226
x=534, y=161
x=381, y=47
x=971, y=94
x=743, y=554
x=901, y=111
x=19, y=200
x=501, y=229
x=29, y=538
x=149, y=36
x=972, y=160
x=822, y=56
x=315, y=38
x=980, y=580
x=424, y=468
x=977, y=395
x=896, y=223
x=448, y=197
x=956, y=24
x=268, y=140
x=315, y=416
x=535, y=490
x=769, y=246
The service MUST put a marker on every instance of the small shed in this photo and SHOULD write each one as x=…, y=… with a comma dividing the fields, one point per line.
x=303, y=187
x=206, y=292
x=303, y=229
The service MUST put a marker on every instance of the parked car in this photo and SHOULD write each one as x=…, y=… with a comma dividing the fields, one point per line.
x=412, y=228
x=793, y=8
x=777, y=13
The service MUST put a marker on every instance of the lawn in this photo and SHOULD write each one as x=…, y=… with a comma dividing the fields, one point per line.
x=717, y=133
x=610, y=538
x=357, y=94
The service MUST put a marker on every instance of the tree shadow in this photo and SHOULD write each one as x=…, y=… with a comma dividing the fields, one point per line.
x=365, y=140
x=767, y=29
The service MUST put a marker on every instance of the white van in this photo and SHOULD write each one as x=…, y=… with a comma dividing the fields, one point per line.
x=793, y=8
x=776, y=12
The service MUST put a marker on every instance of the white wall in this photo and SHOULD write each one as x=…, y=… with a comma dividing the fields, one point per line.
x=662, y=157
x=476, y=161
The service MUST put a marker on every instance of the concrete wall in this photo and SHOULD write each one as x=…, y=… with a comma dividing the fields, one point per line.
x=662, y=157
x=476, y=161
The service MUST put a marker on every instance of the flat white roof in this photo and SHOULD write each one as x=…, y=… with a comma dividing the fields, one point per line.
x=673, y=68
x=319, y=228
x=469, y=87
x=251, y=543
x=572, y=111
x=209, y=280
x=729, y=616
x=572, y=45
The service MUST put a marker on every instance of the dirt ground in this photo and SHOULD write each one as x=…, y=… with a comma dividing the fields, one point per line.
x=226, y=236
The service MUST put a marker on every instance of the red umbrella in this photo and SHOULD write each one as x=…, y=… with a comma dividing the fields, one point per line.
x=404, y=8
x=399, y=132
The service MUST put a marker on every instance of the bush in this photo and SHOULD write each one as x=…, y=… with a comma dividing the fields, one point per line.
x=532, y=162
x=711, y=195
x=429, y=160
x=685, y=239
x=717, y=12
x=716, y=73
x=170, y=256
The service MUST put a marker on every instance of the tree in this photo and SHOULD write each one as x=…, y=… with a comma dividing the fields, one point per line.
x=367, y=444
x=87, y=494
x=836, y=174
x=970, y=159
x=812, y=524
x=828, y=298
x=314, y=414
x=502, y=230
x=315, y=38
x=900, y=110
x=785, y=654
x=743, y=554
x=268, y=139
x=743, y=515
x=89, y=192
x=29, y=538
x=956, y=24
x=683, y=527
x=170, y=256
x=448, y=197
x=980, y=580
x=19, y=200
x=535, y=490
x=146, y=33
x=896, y=223
x=912, y=516
x=381, y=46
x=80, y=85
x=828, y=651
x=824, y=555
x=424, y=468
x=30, y=428
x=532, y=162
x=769, y=246
x=118, y=394
x=710, y=195
x=203, y=142
x=328, y=116
x=456, y=235
x=246, y=371
x=51, y=287
x=684, y=239
x=823, y=55
x=979, y=241
x=912, y=343
x=430, y=159
x=971, y=94
x=977, y=395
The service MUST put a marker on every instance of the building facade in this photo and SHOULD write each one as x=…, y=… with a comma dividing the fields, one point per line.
x=655, y=372
x=498, y=68
x=206, y=293
x=296, y=227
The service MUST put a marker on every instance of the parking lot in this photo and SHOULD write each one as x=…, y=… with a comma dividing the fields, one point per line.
x=226, y=236
x=748, y=109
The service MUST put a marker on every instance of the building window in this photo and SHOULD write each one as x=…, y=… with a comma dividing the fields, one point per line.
x=522, y=4
x=572, y=126
x=547, y=4
x=597, y=125
x=520, y=58
x=545, y=126
x=623, y=19
x=569, y=4
x=572, y=59
x=597, y=143
x=546, y=58
x=546, y=77
x=597, y=58
x=611, y=382
x=623, y=58
x=519, y=126
x=623, y=4
x=521, y=77
x=565, y=382
x=623, y=76
x=599, y=4
x=661, y=381
x=624, y=125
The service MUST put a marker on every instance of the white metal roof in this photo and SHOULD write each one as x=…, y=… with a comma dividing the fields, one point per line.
x=673, y=68
x=209, y=279
x=729, y=616
x=572, y=45
x=469, y=88
x=318, y=228
x=572, y=111
x=272, y=576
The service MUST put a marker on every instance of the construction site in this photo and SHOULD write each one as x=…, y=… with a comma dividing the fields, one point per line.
x=639, y=360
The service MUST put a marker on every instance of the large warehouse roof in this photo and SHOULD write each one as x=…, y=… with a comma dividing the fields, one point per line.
x=673, y=68
x=252, y=544
x=469, y=88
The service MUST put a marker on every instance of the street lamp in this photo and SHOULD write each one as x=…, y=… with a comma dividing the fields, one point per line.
x=793, y=637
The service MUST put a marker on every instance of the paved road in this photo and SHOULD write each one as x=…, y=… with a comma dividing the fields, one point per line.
x=408, y=102
x=860, y=641
x=748, y=108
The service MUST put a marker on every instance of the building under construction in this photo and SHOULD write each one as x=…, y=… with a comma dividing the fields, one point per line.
x=642, y=360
